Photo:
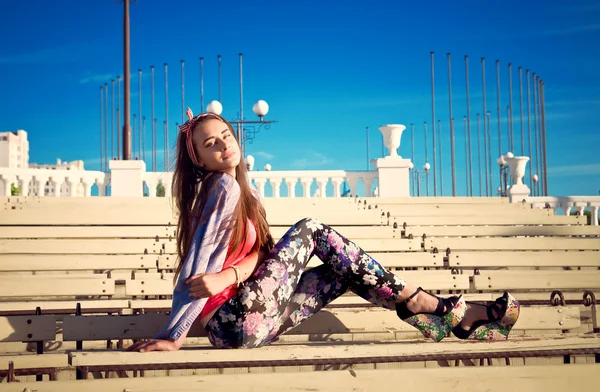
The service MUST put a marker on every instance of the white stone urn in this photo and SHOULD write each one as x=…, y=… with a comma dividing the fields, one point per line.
x=517, y=167
x=392, y=133
x=518, y=192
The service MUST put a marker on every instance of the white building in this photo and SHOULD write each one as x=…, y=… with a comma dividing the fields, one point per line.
x=64, y=189
x=14, y=149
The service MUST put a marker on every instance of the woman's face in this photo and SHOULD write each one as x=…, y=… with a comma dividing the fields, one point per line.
x=216, y=147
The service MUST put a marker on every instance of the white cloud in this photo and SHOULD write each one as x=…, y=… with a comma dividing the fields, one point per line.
x=311, y=160
x=97, y=78
x=575, y=170
x=264, y=155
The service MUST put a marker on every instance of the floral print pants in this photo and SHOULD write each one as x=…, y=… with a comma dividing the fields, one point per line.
x=281, y=294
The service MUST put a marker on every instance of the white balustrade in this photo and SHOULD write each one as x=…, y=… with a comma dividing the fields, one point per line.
x=48, y=182
x=567, y=203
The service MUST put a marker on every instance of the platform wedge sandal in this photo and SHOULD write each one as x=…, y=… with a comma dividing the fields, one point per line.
x=436, y=325
x=502, y=316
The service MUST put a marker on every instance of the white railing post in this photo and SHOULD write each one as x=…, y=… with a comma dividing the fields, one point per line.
x=260, y=185
x=275, y=184
x=594, y=217
x=306, y=183
x=24, y=184
x=322, y=182
x=337, y=184
x=126, y=178
x=291, y=186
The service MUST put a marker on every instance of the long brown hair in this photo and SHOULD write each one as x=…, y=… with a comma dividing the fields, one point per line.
x=190, y=190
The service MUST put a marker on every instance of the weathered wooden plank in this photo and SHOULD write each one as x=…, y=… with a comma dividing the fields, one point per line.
x=341, y=351
x=27, y=328
x=549, y=378
x=33, y=361
x=528, y=243
x=483, y=220
x=536, y=280
x=86, y=246
x=48, y=307
x=328, y=321
x=483, y=259
x=75, y=262
x=32, y=286
x=501, y=231
x=37, y=232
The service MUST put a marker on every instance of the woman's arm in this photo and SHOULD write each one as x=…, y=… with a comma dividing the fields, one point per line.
x=207, y=285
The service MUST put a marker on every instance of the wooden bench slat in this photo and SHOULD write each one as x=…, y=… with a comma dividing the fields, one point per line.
x=540, y=280
x=33, y=361
x=37, y=232
x=549, y=378
x=75, y=262
x=482, y=220
x=27, y=328
x=87, y=305
x=477, y=259
x=329, y=321
x=85, y=246
x=529, y=243
x=337, y=351
x=502, y=231
x=32, y=286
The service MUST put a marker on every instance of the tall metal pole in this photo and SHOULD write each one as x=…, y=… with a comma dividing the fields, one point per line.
x=485, y=127
x=166, y=168
x=119, y=117
x=527, y=79
x=106, y=147
x=166, y=123
x=488, y=151
x=452, y=151
x=466, y=156
x=412, y=154
x=140, y=130
x=134, y=125
x=535, y=125
x=182, y=92
x=127, y=77
x=511, y=135
x=152, y=119
x=367, y=137
x=544, y=134
x=101, y=132
x=112, y=118
x=220, y=80
x=470, y=153
x=143, y=138
x=499, y=118
x=439, y=130
x=433, y=125
x=240, y=126
x=426, y=153
x=521, y=110
x=479, y=154
x=202, y=85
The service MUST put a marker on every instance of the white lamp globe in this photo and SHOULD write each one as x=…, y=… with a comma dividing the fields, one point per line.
x=249, y=162
x=535, y=178
x=260, y=108
x=509, y=155
x=427, y=166
x=499, y=190
x=214, y=107
x=411, y=165
x=268, y=167
x=501, y=161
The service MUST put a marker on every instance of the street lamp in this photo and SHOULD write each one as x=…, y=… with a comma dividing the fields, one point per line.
x=504, y=173
x=267, y=167
x=427, y=166
x=535, y=178
x=249, y=160
x=246, y=129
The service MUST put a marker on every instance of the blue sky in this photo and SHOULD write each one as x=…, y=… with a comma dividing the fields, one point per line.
x=328, y=69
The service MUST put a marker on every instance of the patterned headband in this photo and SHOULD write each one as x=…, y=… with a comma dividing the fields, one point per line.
x=188, y=129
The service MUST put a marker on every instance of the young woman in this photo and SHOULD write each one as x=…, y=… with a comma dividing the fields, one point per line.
x=246, y=291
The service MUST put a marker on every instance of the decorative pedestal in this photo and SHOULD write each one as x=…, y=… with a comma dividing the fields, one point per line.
x=393, y=169
x=393, y=176
x=127, y=178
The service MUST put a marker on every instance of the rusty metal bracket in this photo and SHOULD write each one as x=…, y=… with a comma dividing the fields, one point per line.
x=589, y=299
x=560, y=301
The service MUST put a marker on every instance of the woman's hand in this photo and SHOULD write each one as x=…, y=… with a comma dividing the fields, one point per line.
x=207, y=285
x=145, y=345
